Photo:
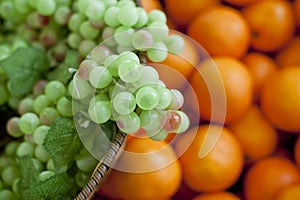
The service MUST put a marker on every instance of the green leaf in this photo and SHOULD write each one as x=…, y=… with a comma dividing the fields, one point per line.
x=61, y=72
x=24, y=67
x=28, y=173
x=57, y=187
x=63, y=143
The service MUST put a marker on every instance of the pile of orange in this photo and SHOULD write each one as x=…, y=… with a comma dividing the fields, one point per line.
x=245, y=144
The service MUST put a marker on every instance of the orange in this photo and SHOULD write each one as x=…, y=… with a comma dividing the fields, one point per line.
x=224, y=88
x=289, y=55
x=261, y=67
x=268, y=176
x=149, y=5
x=217, y=196
x=146, y=170
x=272, y=24
x=213, y=161
x=221, y=30
x=240, y=2
x=280, y=99
x=297, y=151
x=297, y=11
x=256, y=135
x=289, y=193
x=182, y=12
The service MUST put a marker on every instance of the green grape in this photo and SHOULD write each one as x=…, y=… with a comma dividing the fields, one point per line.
x=177, y=100
x=64, y=2
x=149, y=76
x=88, y=31
x=111, y=16
x=150, y=119
x=25, y=148
x=41, y=153
x=158, y=30
x=74, y=22
x=25, y=105
x=80, y=89
x=11, y=148
x=185, y=122
x=100, y=77
x=39, y=87
x=129, y=123
x=147, y=98
x=108, y=38
x=4, y=95
x=54, y=90
x=122, y=49
x=158, y=135
x=85, y=68
x=22, y=6
x=109, y=3
x=123, y=35
x=46, y=8
x=64, y=107
x=38, y=166
x=15, y=186
x=102, y=96
x=7, y=195
x=74, y=39
x=9, y=174
x=157, y=15
x=109, y=60
x=40, y=133
x=40, y=102
x=7, y=9
x=44, y=175
x=82, y=5
x=124, y=103
x=142, y=18
x=122, y=3
x=29, y=122
x=98, y=24
x=14, y=101
x=62, y=14
x=100, y=111
x=82, y=178
x=128, y=15
x=86, y=162
x=48, y=115
x=142, y=40
x=158, y=52
x=50, y=165
x=95, y=10
x=165, y=97
x=6, y=161
x=13, y=128
x=99, y=54
x=33, y=3
x=174, y=43
x=129, y=71
x=86, y=46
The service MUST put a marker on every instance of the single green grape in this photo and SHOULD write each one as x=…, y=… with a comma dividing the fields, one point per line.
x=54, y=90
x=9, y=174
x=100, y=111
x=111, y=16
x=150, y=119
x=128, y=15
x=25, y=148
x=7, y=195
x=40, y=133
x=46, y=8
x=48, y=115
x=29, y=122
x=100, y=77
x=129, y=71
x=129, y=123
x=95, y=10
x=41, y=153
x=40, y=102
x=44, y=175
x=79, y=89
x=158, y=52
x=147, y=98
x=124, y=103
x=64, y=107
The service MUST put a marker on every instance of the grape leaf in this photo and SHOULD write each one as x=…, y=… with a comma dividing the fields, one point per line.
x=24, y=67
x=28, y=173
x=63, y=143
x=57, y=187
x=61, y=72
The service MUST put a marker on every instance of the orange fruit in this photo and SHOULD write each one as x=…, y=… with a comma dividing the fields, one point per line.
x=272, y=24
x=256, y=135
x=146, y=170
x=289, y=55
x=289, y=193
x=297, y=151
x=224, y=88
x=222, y=31
x=261, y=67
x=213, y=161
x=240, y=2
x=182, y=12
x=280, y=99
x=149, y=5
x=217, y=196
x=297, y=11
x=268, y=176
x=177, y=68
